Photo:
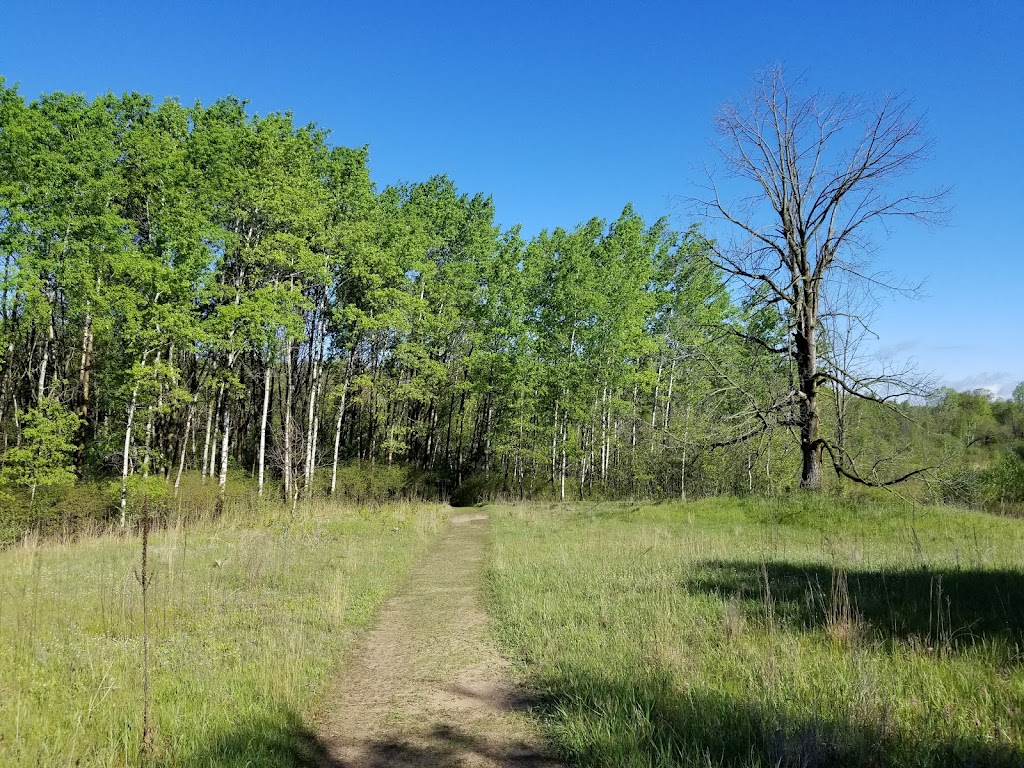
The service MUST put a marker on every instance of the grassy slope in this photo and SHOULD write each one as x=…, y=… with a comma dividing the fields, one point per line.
x=246, y=622
x=767, y=633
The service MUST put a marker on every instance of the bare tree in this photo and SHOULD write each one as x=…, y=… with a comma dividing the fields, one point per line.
x=823, y=170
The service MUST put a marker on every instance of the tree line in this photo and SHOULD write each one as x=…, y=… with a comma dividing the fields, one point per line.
x=198, y=289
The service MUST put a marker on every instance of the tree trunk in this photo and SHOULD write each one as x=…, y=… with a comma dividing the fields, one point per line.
x=807, y=370
x=263, y=428
x=289, y=396
x=222, y=485
x=337, y=435
x=84, y=376
x=41, y=388
x=316, y=355
x=206, y=443
x=554, y=446
x=127, y=449
x=149, y=424
x=184, y=444
x=654, y=406
x=564, y=467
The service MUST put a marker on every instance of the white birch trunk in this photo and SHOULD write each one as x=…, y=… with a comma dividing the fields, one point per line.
x=337, y=436
x=184, y=444
x=206, y=443
x=263, y=429
x=127, y=449
x=288, y=424
x=223, y=480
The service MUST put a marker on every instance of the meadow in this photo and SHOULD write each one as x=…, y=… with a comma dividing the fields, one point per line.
x=248, y=616
x=756, y=632
x=798, y=631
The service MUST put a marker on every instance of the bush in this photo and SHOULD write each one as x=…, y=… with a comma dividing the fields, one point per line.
x=362, y=482
x=56, y=510
x=477, y=489
x=960, y=486
x=1004, y=483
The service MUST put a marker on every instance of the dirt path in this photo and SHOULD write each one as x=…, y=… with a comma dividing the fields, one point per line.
x=427, y=687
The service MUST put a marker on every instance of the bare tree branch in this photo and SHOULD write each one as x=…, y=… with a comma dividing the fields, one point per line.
x=824, y=170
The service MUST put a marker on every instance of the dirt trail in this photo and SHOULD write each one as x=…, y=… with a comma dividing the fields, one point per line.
x=427, y=687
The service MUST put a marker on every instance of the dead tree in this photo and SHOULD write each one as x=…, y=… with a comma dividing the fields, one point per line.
x=823, y=170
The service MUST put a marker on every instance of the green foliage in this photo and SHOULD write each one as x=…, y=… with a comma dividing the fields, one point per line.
x=44, y=456
x=360, y=483
x=168, y=269
x=57, y=511
x=1003, y=482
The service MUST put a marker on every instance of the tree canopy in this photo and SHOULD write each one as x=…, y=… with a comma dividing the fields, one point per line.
x=201, y=289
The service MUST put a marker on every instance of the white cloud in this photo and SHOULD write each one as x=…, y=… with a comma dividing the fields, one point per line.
x=999, y=383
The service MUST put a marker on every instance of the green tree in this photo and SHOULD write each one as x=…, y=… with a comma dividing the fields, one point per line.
x=44, y=455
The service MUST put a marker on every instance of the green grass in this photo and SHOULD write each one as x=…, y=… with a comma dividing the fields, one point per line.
x=248, y=616
x=806, y=632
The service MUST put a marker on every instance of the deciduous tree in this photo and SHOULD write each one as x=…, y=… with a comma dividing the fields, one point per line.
x=823, y=173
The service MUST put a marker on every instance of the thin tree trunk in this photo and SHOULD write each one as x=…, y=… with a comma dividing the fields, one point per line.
x=682, y=476
x=184, y=444
x=565, y=436
x=554, y=446
x=289, y=396
x=206, y=443
x=604, y=435
x=84, y=380
x=636, y=386
x=316, y=355
x=337, y=435
x=222, y=485
x=654, y=408
x=127, y=449
x=668, y=397
x=806, y=359
x=263, y=428
x=149, y=424
x=50, y=335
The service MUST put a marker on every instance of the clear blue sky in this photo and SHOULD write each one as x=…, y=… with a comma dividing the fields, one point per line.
x=567, y=110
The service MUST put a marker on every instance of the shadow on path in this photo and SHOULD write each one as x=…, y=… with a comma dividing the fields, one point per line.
x=288, y=743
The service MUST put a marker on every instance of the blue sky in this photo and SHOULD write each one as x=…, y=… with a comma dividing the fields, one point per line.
x=567, y=110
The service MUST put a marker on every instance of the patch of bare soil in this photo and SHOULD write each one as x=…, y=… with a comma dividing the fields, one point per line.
x=427, y=687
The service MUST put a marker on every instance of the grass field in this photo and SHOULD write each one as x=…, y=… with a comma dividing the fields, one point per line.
x=807, y=632
x=247, y=618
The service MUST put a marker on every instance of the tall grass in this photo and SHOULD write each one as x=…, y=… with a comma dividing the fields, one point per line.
x=248, y=615
x=800, y=632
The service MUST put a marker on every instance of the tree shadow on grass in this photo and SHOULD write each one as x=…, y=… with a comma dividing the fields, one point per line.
x=647, y=721
x=287, y=742
x=283, y=741
x=951, y=609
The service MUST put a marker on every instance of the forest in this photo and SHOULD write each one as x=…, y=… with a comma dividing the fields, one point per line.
x=203, y=292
